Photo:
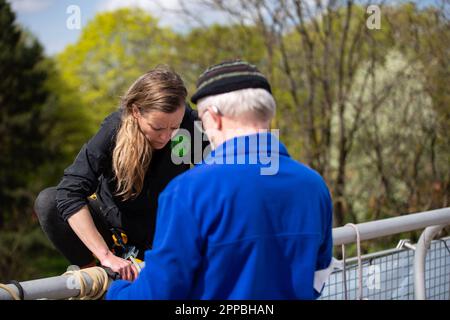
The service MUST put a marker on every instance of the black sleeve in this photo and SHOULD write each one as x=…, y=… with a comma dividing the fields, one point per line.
x=80, y=180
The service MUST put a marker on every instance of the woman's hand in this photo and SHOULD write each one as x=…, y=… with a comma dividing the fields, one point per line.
x=125, y=268
x=83, y=225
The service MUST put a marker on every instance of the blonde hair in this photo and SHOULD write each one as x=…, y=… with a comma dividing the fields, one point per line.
x=159, y=89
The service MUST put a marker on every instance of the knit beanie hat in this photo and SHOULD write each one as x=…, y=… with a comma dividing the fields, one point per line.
x=229, y=76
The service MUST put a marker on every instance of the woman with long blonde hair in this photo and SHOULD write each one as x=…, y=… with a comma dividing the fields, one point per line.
x=105, y=205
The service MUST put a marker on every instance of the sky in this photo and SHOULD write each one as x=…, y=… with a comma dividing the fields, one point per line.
x=47, y=19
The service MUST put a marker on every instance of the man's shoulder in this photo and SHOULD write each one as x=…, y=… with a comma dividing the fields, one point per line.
x=196, y=173
x=303, y=172
x=303, y=168
x=195, y=179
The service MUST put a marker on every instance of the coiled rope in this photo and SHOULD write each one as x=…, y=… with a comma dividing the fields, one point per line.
x=100, y=283
x=10, y=291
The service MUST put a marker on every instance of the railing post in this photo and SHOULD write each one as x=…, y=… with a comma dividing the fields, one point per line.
x=420, y=255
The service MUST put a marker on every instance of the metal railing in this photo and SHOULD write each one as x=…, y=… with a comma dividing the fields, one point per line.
x=386, y=227
x=433, y=221
x=389, y=275
x=395, y=283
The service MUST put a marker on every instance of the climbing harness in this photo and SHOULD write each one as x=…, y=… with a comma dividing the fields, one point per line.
x=127, y=252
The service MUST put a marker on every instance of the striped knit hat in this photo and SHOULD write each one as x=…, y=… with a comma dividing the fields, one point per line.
x=229, y=76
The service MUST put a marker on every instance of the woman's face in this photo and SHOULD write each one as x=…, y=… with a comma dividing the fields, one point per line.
x=159, y=126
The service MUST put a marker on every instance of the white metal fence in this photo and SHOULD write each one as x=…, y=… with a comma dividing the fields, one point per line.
x=389, y=275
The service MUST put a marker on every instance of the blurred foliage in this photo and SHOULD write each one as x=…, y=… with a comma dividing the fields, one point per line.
x=22, y=94
x=27, y=254
x=42, y=126
x=392, y=83
x=114, y=49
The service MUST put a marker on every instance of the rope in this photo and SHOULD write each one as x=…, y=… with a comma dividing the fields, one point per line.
x=11, y=292
x=100, y=282
x=19, y=288
x=358, y=251
x=344, y=272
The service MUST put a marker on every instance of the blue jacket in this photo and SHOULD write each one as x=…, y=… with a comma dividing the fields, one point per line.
x=227, y=231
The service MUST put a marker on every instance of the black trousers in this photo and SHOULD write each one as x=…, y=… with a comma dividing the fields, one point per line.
x=61, y=234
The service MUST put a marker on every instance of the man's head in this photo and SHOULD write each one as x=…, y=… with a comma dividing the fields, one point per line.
x=233, y=98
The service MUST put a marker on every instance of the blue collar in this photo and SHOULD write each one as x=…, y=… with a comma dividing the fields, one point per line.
x=264, y=143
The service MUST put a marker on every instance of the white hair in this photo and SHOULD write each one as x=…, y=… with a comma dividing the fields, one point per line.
x=257, y=104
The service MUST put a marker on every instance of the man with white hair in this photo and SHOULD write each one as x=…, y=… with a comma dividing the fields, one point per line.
x=238, y=226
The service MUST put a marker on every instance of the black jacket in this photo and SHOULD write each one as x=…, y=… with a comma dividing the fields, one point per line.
x=92, y=172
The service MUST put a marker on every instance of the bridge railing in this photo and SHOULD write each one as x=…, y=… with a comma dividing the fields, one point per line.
x=383, y=271
x=390, y=274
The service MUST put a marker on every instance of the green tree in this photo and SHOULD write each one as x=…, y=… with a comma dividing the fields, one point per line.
x=114, y=49
x=203, y=47
x=22, y=95
x=42, y=127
